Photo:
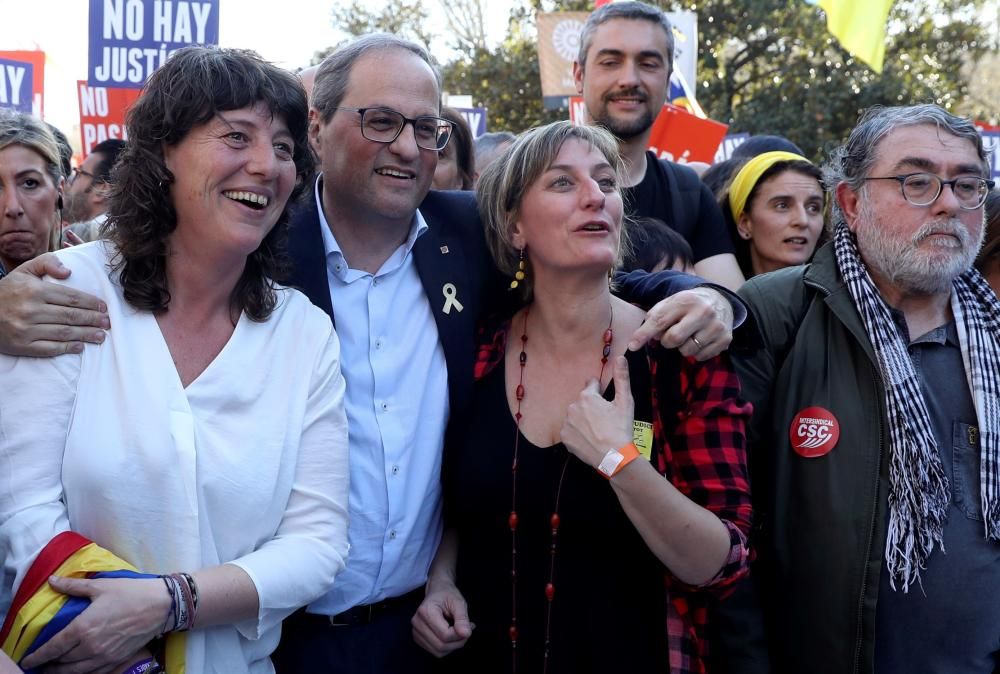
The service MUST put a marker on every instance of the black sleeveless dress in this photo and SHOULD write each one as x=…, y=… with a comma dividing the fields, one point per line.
x=609, y=609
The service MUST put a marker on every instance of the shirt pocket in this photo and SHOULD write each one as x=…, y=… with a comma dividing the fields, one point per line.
x=966, y=487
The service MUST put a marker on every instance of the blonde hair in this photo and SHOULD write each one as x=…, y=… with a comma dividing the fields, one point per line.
x=18, y=128
x=503, y=184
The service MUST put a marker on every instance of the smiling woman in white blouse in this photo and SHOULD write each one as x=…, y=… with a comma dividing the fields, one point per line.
x=190, y=472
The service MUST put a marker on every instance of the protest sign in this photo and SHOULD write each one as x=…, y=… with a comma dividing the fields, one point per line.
x=728, y=145
x=991, y=140
x=578, y=111
x=102, y=113
x=558, y=46
x=475, y=118
x=682, y=137
x=15, y=85
x=15, y=76
x=129, y=39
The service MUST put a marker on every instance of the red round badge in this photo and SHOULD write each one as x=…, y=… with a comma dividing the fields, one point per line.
x=814, y=432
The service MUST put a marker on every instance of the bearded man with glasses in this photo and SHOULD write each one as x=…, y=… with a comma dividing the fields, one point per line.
x=88, y=192
x=875, y=442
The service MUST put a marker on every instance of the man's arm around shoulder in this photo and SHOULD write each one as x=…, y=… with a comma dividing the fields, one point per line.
x=38, y=318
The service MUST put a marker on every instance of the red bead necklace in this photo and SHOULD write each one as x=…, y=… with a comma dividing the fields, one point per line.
x=550, y=588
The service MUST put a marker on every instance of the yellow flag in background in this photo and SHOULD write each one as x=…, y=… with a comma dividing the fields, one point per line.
x=860, y=27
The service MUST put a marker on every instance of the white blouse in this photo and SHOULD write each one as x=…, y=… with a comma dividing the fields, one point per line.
x=247, y=465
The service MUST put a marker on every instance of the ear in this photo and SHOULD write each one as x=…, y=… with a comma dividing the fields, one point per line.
x=745, y=227
x=100, y=193
x=517, y=235
x=168, y=156
x=315, y=126
x=849, y=202
x=59, y=194
x=578, y=76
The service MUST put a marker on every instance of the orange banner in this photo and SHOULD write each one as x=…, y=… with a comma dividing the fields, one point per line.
x=102, y=113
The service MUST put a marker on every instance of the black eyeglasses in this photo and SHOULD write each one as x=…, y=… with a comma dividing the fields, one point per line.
x=383, y=125
x=923, y=189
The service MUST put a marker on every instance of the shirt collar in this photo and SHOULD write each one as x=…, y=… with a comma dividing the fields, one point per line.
x=331, y=248
x=942, y=334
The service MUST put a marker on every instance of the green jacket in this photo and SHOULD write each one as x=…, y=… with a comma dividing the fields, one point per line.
x=821, y=521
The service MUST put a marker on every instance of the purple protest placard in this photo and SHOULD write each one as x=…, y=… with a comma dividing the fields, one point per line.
x=129, y=39
x=991, y=140
x=476, y=119
x=15, y=85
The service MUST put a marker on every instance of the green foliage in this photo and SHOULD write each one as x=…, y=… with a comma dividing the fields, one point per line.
x=506, y=82
x=771, y=67
x=765, y=66
x=405, y=18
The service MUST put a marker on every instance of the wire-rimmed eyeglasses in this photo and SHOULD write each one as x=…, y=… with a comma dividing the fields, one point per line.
x=77, y=172
x=383, y=125
x=923, y=189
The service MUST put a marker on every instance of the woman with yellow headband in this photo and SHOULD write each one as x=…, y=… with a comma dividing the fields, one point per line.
x=774, y=208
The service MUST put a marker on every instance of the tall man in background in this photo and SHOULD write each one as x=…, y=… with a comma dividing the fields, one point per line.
x=623, y=72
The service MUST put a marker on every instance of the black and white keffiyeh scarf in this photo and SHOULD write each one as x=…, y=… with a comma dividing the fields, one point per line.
x=919, y=493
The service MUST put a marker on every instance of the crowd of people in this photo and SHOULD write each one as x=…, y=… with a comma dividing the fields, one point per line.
x=270, y=401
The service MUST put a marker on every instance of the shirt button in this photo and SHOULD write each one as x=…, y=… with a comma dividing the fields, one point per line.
x=392, y=535
x=339, y=267
x=385, y=407
x=395, y=470
x=378, y=343
x=374, y=282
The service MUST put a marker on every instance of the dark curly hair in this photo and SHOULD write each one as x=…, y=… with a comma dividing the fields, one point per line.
x=193, y=86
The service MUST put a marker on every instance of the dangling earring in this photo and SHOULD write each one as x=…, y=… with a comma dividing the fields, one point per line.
x=519, y=274
x=611, y=277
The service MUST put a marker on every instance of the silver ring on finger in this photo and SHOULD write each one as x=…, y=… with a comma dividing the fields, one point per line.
x=696, y=342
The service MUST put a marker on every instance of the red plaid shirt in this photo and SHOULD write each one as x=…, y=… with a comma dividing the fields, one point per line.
x=705, y=459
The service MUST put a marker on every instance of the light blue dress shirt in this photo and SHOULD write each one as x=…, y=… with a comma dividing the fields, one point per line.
x=397, y=411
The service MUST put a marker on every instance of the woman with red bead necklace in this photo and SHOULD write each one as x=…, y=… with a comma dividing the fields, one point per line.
x=586, y=530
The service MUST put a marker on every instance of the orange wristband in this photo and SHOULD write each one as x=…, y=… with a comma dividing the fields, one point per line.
x=616, y=459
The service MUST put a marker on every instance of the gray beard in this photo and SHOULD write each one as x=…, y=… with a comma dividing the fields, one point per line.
x=903, y=264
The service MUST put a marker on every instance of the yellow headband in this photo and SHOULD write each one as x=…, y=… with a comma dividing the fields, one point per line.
x=746, y=179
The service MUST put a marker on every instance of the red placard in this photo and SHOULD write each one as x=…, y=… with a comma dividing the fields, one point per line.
x=37, y=61
x=102, y=113
x=682, y=137
x=677, y=134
